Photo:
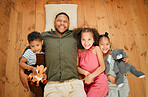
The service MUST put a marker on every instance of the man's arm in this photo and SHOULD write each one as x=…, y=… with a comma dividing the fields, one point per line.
x=23, y=78
x=22, y=75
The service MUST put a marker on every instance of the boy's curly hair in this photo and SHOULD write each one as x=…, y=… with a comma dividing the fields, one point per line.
x=77, y=35
x=34, y=35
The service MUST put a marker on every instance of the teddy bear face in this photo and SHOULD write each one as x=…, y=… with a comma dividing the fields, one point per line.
x=117, y=54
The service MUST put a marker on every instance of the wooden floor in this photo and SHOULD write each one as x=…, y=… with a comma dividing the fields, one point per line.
x=125, y=20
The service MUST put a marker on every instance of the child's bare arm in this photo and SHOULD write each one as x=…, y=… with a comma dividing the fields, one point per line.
x=23, y=78
x=101, y=68
x=25, y=66
x=112, y=79
x=80, y=70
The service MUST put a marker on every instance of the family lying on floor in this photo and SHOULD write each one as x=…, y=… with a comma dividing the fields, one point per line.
x=79, y=63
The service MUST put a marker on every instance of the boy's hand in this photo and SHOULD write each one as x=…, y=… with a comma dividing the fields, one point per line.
x=125, y=59
x=44, y=76
x=34, y=70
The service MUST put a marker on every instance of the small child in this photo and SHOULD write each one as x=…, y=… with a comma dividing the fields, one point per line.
x=91, y=63
x=29, y=57
x=114, y=90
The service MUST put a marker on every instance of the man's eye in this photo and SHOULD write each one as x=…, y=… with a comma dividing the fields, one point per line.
x=58, y=20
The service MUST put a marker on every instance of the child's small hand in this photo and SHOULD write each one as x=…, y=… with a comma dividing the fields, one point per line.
x=112, y=79
x=34, y=70
x=125, y=59
x=88, y=79
x=87, y=73
x=44, y=76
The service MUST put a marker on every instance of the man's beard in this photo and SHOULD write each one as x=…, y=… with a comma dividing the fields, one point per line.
x=60, y=32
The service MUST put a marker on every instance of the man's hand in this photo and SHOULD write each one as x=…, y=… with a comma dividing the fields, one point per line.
x=23, y=78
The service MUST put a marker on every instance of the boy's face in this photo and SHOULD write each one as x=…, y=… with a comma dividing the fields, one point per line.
x=61, y=23
x=104, y=45
x=36, y=45
x=87, y=39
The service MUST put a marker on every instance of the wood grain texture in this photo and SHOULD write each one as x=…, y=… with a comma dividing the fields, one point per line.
x=126, y=21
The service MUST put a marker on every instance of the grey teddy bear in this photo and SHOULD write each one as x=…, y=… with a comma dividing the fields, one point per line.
x=120, y=67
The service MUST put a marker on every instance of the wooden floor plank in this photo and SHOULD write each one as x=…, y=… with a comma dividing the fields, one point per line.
x=136, y=50
x=80, y=15
x=89, y=14
x=4, y=27
x=17, y=31
x=29, y=21
x=101, y=16
x=114, y=24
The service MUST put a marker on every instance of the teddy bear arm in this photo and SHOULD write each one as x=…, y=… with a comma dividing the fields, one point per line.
x=136, y=73
x=120, y=79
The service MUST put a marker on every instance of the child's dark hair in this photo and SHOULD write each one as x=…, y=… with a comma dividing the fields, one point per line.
x=104, y=35
x=77, y=35
x=34, y=35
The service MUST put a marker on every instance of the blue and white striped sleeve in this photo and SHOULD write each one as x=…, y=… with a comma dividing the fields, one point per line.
x=28, y=53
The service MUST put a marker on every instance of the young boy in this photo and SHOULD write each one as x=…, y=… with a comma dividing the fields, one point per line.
x=29, y=59
x=29, y=56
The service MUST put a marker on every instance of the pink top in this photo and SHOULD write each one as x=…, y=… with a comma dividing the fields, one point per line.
x=88, y=60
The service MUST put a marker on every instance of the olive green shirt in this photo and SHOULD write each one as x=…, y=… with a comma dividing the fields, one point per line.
x=60, y=56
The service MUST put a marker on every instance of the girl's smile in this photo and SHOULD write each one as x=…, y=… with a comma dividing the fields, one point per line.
x=87, y=39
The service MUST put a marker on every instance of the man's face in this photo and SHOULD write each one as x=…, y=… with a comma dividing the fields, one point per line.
x=61, y=23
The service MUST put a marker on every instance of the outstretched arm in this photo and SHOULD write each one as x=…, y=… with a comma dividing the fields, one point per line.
x=23, y=78
x=22, y=75
x=23, y=65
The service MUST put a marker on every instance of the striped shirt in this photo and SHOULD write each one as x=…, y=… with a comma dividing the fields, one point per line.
x=31, y=57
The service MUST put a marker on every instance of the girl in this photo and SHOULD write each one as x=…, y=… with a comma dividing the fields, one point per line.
x=114, y=90
x=91, y=63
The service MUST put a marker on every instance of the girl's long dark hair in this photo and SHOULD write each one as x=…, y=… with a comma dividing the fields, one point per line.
x=77, y=35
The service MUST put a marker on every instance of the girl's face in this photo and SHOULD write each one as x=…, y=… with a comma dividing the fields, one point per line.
x=87, y=39
x=104, y=44
x=36, y=45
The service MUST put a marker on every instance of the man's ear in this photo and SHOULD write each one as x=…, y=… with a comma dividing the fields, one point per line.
x=54, y=23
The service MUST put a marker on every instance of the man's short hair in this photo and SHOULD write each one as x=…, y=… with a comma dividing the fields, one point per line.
x=63, y=14
x=34, y=35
